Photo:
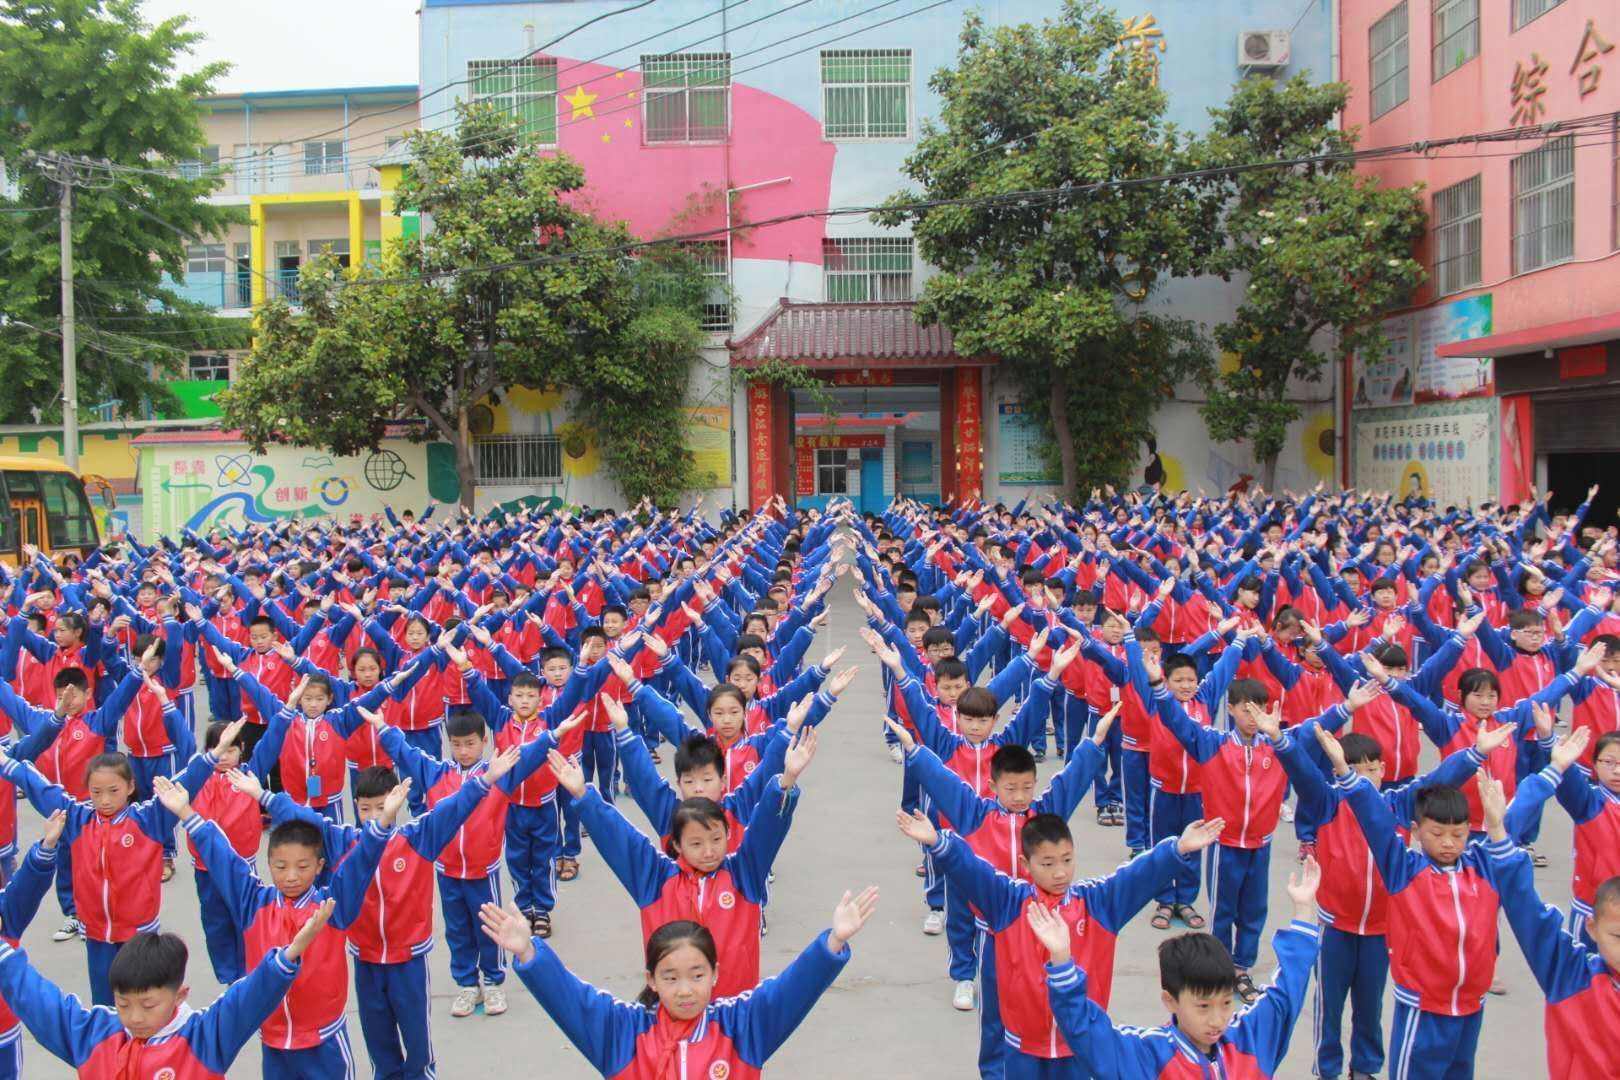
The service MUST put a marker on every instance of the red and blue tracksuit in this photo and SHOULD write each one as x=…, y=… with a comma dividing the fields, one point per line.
x=193, y=1046
x=1595, y=810
x=1442, y=942
x=1095, y=911
x=305, y=1036
x=1253, y=1045
x=992, y=831
x=1583, y=992
x=732, y=1040
x=117, y=865
x=971, y=762
x=1177, y=794
x=1243, y=785
x=19, y=903
x=393, y=933
x=1352, y=902
x=658, y=798
x=728, y=901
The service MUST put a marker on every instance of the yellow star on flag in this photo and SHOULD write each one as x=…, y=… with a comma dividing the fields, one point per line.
x=580, y=101
x=627, y=122
x=606, y=137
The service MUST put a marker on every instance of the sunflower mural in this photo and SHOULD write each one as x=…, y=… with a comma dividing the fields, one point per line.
x=1316, y=445
x=582, y=456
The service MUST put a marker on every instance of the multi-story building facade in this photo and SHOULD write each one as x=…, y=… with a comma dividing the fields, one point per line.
x=1505, y=370
x=690, y=116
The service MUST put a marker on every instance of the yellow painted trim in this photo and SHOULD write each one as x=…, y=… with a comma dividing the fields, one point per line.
x=289, y=198
x=357, y=234
x=256, y=253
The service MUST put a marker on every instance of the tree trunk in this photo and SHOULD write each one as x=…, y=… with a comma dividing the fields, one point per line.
x=465, y=473
x=1058, y=406
x=1268, y=471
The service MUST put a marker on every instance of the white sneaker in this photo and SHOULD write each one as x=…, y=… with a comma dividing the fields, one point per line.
x=896, y=754
x=963, y=999
x=69, y=930
x=934, y=924
x=466, y=1001
x=494, y=1001
x=1287, y=812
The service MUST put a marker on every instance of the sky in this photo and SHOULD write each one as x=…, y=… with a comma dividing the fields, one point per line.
x=301, y=44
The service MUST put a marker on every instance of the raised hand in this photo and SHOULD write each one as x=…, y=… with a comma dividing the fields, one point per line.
x=1493, y=802
x=509, y=928
x=621, y=669
x=1063, y=658
x=1050, y=930
x=1333, y=751
x=52, y=831
x=1200, y=835
x=917, y=827
x=1361, y=695
x=839, y=682
x=1570, y=748
x=907, y=742
x=830, y=661
x=1269, y=722
x=246, y=783
x=1302, y=885
x=172, y=796
x=568, y=773
x=311, y=929
x=1375, y=669
x=395, y=799
x=1490, y=741
x=1104, y=722
x=850, y=915
x=502, y=763
x=1589, y=660
x=798, y=757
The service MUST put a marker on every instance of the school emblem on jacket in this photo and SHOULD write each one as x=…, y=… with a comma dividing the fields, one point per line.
x=127, y=840
x=720, y=1069
x=399, y=865
x=748, y=766
x=1265, y=763
x=78, y=735
x=726, y=901
x=164, y=1074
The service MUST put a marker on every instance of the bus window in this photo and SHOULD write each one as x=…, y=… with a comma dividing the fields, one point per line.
x=8, y=521
x=68, y=520
x=26, y=502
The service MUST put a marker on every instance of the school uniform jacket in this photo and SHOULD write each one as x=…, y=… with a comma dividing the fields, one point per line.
x=732, y=1040
x=1582, y=992
x=728, y=901
x=658, y=798
x=1253, y=1045
x=1095, y=911
x=193, y=1046
x=78, y=739
x=312, y=1009
x=212, y=797
x=395, y=921
x=540, y=787
x=1243, y=781
x=19, y=903
x=1595, y=810
x=1442, y=919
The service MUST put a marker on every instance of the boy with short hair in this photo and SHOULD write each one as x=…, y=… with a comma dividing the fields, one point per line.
x=152, y=1031
x=1197, y=979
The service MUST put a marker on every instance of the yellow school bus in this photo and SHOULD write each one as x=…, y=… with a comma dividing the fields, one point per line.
x=43, y=504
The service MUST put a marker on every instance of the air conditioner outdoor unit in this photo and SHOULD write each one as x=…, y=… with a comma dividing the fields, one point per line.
x=1262, y=48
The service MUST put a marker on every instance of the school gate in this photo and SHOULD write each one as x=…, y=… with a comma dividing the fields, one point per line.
x=898, y=410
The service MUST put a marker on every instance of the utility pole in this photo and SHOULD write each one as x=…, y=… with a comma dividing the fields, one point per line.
x=70, y=360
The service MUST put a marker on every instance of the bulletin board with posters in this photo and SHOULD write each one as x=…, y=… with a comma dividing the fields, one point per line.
x=1387, y=377
x=1451, y=378
x=1022, y=447
x=1447, y=453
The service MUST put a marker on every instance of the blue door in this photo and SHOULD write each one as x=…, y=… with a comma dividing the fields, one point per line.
x=873, y=497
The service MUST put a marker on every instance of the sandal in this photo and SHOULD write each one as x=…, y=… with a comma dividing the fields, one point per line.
x=567, y=869
x=1246, y=989
x=1161, y=917
x=168, y=870
x=1188, y=915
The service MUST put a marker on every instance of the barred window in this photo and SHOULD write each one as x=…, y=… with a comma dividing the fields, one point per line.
x=518, y=459
x=686, y=97
x=711, y=257
x=832, y=472
x=1527, y=10
x=323, y=157
x=205, y=259
x=525, y=90
x=867, y=268
x=1456, y=35
x=210, y=366
x=1544, y=205
x=1457, y=226
x=208, y=163
x=866, y=93
x=1387, y=43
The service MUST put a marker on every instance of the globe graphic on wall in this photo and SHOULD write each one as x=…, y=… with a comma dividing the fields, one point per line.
x=385, y=470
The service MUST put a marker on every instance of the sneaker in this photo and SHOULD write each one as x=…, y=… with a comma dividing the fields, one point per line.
x=540, y=923
x=763, y=928
x=897, y=754
x=69, y=930
x=168, y=868
x=494, y=1001
x=1537, y=858
x=1287, y=812
x=1498, y=988
x=922, y=869
x=964, y=998
x=466, y=1001
x=934, y=924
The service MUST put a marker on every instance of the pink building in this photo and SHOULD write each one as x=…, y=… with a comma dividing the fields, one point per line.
x=1506, y=369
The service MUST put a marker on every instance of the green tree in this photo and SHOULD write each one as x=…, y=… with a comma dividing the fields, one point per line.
x=1322, y=251
x=1053, y=284
x=514, y=285
x=90, y=78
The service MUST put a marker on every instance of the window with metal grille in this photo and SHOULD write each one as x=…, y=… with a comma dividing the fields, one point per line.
x=325, y=156
x=525, y=90
x=1527, y=10
x=869, y=268
x=1387, y=43
x=207, y=163
x=711, y=259
x=686, y=97
x=338, y=248
x=866, y=93
x=1544, y=205
x=212, y=366
x=1457, y=225
x=1456, y=35
x=518, y=459
x=244, y=276
x=205, y=259
x=832, y=472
